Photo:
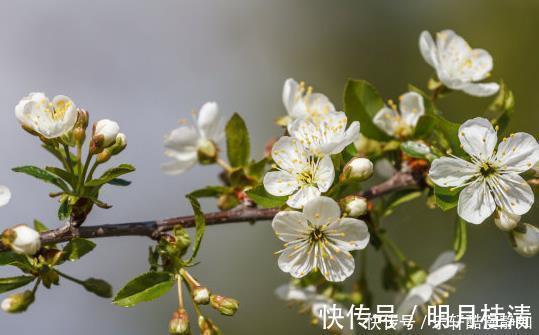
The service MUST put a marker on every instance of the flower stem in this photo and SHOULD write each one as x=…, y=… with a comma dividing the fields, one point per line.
x=68, y=277
x=36, y=286
x=92, y=170
x=83, y=173
x=393, y=247
x=180, y=291
x=68, y=158
x=224, y=164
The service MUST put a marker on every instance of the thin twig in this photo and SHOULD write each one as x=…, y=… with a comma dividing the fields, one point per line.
x=155, y=228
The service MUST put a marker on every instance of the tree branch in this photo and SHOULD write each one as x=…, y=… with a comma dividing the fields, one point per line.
x=154, y=229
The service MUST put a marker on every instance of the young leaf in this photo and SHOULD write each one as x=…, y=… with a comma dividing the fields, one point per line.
x=66, y=176
x=446, y=198
x=17, y=260
x=119, y=182
x=146, y=287
x=361, y=103
x=39, y=226
x=237, y=142
x=44, y=175
x=64, y=211
x=98, y=286
x=78, y=247
x=444, y=131
x=209, y=192
x=111, y=174
x=461, y=238
x=11, y=283
x=200, y=225
x=263, y=199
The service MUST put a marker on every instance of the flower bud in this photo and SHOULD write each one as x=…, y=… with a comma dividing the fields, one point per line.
x=526, y=240
x=119, y=144
x=207, y=327
x=201, y=295
x=354, y=206
x=505, y=220
x=357, y=169
x=103, y=156
x=22, y=239
x=18, y=302
x=79, y=130
x=225, y=306
x=108, y=129
x=179, y=323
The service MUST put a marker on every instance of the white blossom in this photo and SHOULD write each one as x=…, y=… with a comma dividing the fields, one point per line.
x=355, y=206
x=526, y=242
x=435, y=289
x=401, y=125
x=108, y=129
x=491, y=180
x=325, y=134
x=5, y=195
x=358, y=168
x=318, y=238
x=300, y=101
x=457, y=65
x=316, y=303
x=26, y=240
x=300, y=175
x=186, y=143
x=50, y=119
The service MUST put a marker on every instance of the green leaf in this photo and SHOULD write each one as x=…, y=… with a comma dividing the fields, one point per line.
x=98, y=286
x=64, y=211
x=146, y=287
x=209, y=192
x=11, y=283
x=14, y=259
x=111, y=174
x=237, y=142
x=78, y=247
x=361, y=103
x=417, y=150
x=66, y=176
x=43, y=175
x=461, y=238
x=119, y=182
x=399, y=198
x=257, y=169
x=200, y=225
x=442, y=131
x=263, y=199
x=501, y=109
x=446, y=198
x=39, y=226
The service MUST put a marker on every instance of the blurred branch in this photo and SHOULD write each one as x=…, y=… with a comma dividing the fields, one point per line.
x=154, y=229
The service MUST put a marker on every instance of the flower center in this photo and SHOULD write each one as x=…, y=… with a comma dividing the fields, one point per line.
x=58, y=111
x=317, y=235
x=305, y=177
x=487, y=169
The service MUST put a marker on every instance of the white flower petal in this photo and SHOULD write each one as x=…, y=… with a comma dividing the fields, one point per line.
x=209, y=122
x=325, y=174
x=5, y=195
x=453, y=51
x=182, y=139
x=280, y=183
x=291, y=94
x=297, y=260
x=412, y=108
x=513, y=194
x=478, y=65
x=478, y=138
x=321, y=211
x=177, y=167
x=290, y=292
x=428, y=49
x=302, y=196
x=475, y=203
x=451, y=172
x=290, y=226
x=349, y=234
x=417, y=296
x=335, y=265
x=518, y=153
x=289, y=154
x=388, y=120
x=444, y=258
x=481, y=89
x=444, y=273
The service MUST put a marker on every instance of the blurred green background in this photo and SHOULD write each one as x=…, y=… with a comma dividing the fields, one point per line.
x=147, y=64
